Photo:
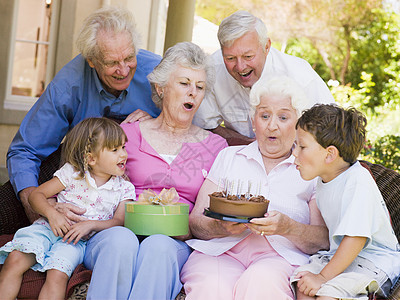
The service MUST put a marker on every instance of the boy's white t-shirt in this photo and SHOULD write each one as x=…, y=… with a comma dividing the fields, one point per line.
x=352, y=205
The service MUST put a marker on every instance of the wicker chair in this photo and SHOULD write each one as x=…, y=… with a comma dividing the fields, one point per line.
x=388, y=182
x=12, y=217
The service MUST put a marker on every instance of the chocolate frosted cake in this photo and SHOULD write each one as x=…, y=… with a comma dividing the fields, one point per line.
x=232, y=205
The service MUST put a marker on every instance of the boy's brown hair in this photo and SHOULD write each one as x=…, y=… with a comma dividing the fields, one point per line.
x=90, y=136
x=336, y=126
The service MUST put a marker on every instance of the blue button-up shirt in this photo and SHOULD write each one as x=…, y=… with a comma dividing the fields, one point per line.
x=74, y=94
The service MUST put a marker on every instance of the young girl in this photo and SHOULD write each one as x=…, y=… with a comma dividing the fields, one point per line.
x=91, y=178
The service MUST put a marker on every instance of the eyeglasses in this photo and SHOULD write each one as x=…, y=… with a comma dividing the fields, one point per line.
x=128, y=61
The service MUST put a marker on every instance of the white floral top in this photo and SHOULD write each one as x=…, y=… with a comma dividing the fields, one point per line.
x=100, y=202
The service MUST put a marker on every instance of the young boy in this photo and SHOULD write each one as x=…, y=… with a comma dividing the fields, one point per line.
x=364, y=254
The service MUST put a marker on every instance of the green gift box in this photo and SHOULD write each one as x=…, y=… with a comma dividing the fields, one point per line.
x=148, y=219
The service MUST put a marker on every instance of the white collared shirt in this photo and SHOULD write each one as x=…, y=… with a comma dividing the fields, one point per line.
x=283, y=186
x=229, y=101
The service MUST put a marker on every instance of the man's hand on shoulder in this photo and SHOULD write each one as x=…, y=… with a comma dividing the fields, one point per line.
x=137, y=115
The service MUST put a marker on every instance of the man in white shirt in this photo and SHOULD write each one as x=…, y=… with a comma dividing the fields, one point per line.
x=246, y=56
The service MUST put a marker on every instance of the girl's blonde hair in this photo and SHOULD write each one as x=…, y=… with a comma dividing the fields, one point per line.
x=90, y=136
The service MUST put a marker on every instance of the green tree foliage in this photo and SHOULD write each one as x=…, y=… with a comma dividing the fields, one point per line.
x=216, y=11
x=383, y=140
x=361, y=45
x=384, y=151
x=375, y=50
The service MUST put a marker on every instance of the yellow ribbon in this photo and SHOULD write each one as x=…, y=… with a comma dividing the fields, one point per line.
x=166, y=197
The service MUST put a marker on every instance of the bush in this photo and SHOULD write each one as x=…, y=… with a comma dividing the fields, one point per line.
x=384, y=151
x=383, y=147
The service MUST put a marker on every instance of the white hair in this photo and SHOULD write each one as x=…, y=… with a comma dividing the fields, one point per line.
x=184, y=54
x=108, y=19
x=237, y=25
x=282, y=86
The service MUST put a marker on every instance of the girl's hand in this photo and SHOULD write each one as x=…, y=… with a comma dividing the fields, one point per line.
x=309, y=283
x=59, y=224
x=273, y=223
x=78, y=231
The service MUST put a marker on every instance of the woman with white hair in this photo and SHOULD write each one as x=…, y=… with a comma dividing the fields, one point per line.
x=254, y=260
x=169, y=151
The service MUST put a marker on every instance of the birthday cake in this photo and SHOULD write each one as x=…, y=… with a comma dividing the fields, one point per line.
x=233, y=205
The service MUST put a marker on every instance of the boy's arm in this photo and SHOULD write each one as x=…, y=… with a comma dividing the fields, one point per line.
x=81, y=229
x=348, y=250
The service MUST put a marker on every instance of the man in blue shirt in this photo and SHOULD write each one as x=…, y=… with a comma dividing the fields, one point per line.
x=108, y=78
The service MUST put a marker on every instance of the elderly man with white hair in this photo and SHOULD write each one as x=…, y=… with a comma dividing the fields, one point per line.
x=246, y=55
x=108, y=78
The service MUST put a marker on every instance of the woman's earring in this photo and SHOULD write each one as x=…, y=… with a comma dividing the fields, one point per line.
x=161, y=95
x=254, y=130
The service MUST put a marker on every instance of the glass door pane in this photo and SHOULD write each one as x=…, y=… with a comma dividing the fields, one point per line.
x=31, y=47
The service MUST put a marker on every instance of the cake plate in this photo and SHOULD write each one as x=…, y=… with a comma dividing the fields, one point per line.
x=223, y=217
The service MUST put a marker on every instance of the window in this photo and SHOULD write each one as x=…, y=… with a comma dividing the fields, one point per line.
x=30, y=66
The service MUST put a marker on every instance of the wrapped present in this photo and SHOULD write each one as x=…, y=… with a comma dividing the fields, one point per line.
x=166, y=197
x=157, y=214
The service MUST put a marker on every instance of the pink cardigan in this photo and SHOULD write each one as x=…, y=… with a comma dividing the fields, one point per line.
x=148, y=170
